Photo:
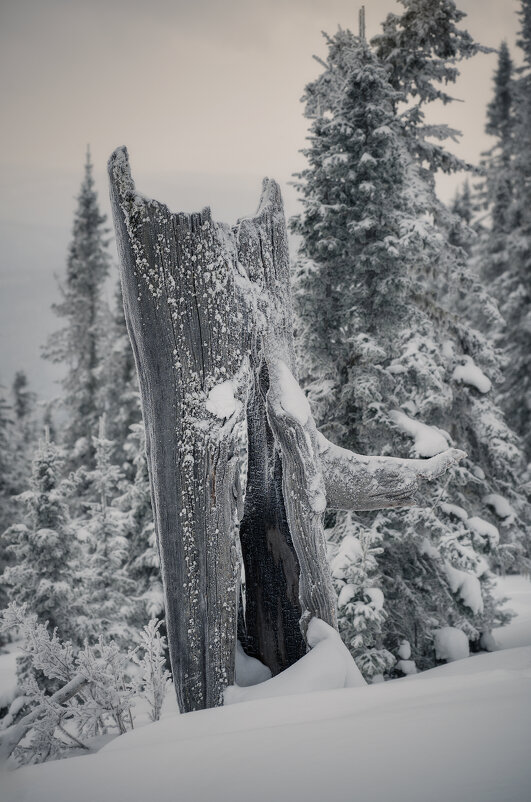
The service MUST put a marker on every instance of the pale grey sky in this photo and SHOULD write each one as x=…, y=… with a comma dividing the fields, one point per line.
x=204, y=93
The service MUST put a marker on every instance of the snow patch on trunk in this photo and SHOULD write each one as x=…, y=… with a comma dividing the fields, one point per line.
x=221, y=401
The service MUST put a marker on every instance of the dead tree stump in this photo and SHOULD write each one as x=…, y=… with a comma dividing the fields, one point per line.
x=236, y=464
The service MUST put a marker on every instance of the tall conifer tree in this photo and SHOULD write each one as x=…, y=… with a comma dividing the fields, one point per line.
x=389, y=363
x=78, y=344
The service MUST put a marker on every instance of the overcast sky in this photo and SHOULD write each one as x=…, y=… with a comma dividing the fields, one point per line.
x=205, y=94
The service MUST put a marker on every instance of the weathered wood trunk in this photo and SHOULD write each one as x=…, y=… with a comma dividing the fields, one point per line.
x=186, y=328
x=209, y=315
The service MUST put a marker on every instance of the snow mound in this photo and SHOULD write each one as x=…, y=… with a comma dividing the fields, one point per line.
x=450, y=644
x=469, y=373
x=249, y=670
x=429, y=440
x=327, y=665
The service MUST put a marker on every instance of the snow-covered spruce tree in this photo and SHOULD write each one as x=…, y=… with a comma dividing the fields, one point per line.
x=510, y=238
x=17, y=441
x=44, y=572
x=380, y=357
x=422, y=47
x=109, y=601
x=361, y=614
x=79, y=344
x=497, y=165
x=6, y=487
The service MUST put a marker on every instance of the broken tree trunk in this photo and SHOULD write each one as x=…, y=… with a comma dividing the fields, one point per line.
x=236, y=464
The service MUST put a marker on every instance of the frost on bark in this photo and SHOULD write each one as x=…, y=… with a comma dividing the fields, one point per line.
x=237, y=467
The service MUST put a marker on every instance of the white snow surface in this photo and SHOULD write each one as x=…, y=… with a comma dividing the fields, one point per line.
x=327, y=665
x=450, y=644
x=221, y=401
x=376, y=596
x=469, y=373
x=458, y=732
x=429, y=550
x=429, y=440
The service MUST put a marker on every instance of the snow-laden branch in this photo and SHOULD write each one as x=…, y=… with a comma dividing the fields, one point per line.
x=12, y=736
x=357, y=482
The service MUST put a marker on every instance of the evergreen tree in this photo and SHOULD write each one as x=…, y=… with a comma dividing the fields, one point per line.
x=497, y=164
x=79, y=344
x=513, y=286
x=46, y=554
x=385, y=361
x=361, y=613
x=23, y=398
x=110, y=605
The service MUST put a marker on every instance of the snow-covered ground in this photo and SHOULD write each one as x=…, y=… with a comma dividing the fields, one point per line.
x=457, y=733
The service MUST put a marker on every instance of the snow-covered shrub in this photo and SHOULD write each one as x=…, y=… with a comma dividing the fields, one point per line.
x=94, y=695
x=361, y=612
x=153, y=678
